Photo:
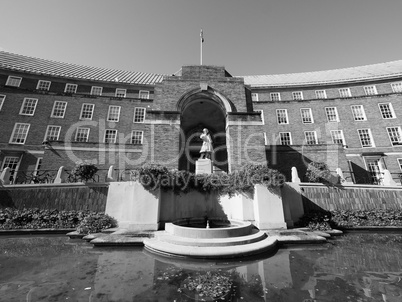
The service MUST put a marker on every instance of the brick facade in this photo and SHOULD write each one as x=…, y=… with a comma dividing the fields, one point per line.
x=246, y=130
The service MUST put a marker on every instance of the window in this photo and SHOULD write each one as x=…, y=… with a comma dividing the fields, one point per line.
x=82, y=134
x=70, y=88
x=400, y=163
x=28, y=106
x=396, y=87
x=136, y=137
x=2, y=98
x=297, y=95
x=52, y=133
x=59, y=109
x=275, y=96
x=306, y=115
x=120, y=93
x=262, y=115
x=254, y=97
x=11, y=162
x=20, y=133
x=337, y=137
x=332, y=114
x=95, y=90
x=282, y=116
x=113, y=114
x=320, y=94
x=110, y=136
x=344, y=93
x=310, y=137
x=365, y=138
x=358, y=113
x=143, y=94
x=87, y=111
x=395, y=136
x=38, y=166
x=370, y=90
x=285, y=138
x=13, y=81
x=139, y=115
x=386, y=110
x=43, y=85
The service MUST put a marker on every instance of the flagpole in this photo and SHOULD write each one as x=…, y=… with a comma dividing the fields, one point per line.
x=201, y=41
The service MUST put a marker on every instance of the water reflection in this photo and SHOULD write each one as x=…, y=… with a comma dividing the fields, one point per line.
x=356, y=267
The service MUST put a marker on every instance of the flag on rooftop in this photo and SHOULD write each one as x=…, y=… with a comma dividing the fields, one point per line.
x=202, y=36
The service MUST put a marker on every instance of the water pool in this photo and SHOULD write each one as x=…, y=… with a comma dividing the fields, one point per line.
x=354, y=267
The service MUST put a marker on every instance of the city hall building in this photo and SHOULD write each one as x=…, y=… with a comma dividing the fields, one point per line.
x=56, y=114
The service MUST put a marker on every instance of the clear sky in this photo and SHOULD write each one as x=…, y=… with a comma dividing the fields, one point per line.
x=248, y=37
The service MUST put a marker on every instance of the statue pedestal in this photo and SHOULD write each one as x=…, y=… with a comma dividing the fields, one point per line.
x=203, y=166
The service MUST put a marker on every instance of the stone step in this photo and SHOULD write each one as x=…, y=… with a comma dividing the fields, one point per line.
x=255, y=236
x=233, y=251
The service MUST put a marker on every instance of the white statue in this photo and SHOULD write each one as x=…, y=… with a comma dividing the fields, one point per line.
x=206, y=148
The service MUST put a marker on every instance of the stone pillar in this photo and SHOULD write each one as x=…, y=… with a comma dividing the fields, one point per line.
x=5, y=176
x=109, y=176
x=292, y=197
x=268, y=208
x=295, y=175
x=388, y=181
x=61, y=176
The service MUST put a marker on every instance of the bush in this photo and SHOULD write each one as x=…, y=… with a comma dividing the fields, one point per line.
x=83, y=172
x=324, y=220
x=95, y=223
x=318, y=172
x=88, y=222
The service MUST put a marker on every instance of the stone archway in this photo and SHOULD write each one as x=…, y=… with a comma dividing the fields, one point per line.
x=198, y=110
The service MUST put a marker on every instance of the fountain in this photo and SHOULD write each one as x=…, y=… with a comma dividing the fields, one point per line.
x=217, y=238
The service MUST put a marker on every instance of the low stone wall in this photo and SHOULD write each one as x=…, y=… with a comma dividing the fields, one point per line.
x=350, y=197
x=77, y=196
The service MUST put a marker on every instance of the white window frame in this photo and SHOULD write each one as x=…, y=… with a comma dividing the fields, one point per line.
x=110, y=112
x=13, y=81
x=119, y=91
x=297, y=95
x=290, y=138
x=286, y=117
x=265, y=139
x=24, y=103
x=82, y=111
x=396, y=87
x=254, y=96
x=13, y=139
x=17, y=166
x=59, y=110
x=70, y=88
x=138, y=132
x=333, y=132
x=370, y=90
x=136, y=111
x=399, y=161
x=395, y=143
x=345, y=92
x=310, y=113
x=38, y=165
x=143, y=94
x=320, y=94
x=87, y=134
x=2, y=99
x=315, y=137
x=43, y=85
x=354, y=111
x=115, y=136
x=336, y=114
x=391, y=110
x=275, y=96
x=369, y=135
x=96, y=90
x=48, y=129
